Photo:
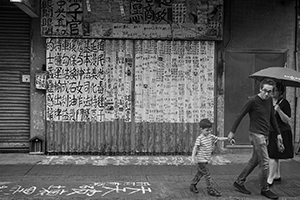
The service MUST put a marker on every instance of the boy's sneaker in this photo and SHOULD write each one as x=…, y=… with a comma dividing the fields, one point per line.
x=193, y=188
x=241, y=188
x=269, y=194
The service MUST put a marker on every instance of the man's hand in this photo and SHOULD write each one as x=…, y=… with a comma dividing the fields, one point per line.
x=230, y=137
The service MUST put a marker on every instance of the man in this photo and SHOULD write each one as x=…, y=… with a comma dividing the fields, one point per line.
x=261, y=114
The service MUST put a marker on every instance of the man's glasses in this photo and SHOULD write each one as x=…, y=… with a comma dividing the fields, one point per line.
x=267, y=91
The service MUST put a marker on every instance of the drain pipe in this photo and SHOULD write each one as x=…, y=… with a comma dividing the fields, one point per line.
x=296, y=68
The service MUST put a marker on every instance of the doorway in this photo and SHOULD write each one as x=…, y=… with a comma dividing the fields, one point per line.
x=238, y=87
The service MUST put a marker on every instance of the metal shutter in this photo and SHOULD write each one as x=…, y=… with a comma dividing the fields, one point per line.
x=14, y=94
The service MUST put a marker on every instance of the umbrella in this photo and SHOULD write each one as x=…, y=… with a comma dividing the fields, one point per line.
x=288, y=76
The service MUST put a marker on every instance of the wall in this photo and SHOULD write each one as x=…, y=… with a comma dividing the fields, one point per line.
x=89, y=104
x=249, y=25
x=37, y=99
x=168, y=101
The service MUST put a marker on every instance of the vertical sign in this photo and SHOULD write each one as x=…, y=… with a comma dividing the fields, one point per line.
x=61, y=18
x=89, y=80
x=150, y=11
x=41, y=80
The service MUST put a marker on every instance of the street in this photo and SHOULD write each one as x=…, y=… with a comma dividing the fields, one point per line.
x=133, y=177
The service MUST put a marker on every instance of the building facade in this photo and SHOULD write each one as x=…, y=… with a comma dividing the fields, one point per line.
x=119, y=77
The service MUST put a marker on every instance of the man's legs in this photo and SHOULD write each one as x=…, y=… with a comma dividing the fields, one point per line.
x=259, y=157
x=252, y=163
x=263, y=166
x=263, y=159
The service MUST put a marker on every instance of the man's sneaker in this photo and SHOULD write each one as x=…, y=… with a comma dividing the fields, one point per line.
x=241, y=188
x=193, y=188
x=269, y=194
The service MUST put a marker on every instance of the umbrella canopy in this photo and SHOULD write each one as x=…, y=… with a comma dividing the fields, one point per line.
x=289, y=77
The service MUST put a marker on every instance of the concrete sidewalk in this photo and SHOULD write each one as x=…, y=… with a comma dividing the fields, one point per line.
x=134, y=177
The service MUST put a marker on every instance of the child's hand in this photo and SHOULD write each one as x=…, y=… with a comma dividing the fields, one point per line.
x=193, y=160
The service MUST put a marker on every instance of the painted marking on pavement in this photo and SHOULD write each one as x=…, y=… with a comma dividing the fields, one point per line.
x=127, y=160
x=92, y=189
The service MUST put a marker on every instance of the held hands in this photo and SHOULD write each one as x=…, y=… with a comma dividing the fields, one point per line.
x=232, y=141
x=230, y=138
x=193, y=159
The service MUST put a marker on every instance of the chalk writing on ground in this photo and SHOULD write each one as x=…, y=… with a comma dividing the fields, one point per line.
x=126, y=160
x=101, y=188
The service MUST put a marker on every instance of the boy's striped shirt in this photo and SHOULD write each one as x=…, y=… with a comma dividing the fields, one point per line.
x=205, y=145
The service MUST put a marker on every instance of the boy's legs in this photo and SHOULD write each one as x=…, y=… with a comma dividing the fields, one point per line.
x=197, y=178
x=211, y=191
x=199, y=174
x=203, y=170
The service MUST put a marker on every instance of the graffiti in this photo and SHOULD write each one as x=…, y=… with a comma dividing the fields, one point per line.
x=179, y=13
x=40, y=80
x=88, y=80
x=61, y=18
x=102, y=188
x=150, y=12
x=19, y=189
x=126, y=160
x=174, y=81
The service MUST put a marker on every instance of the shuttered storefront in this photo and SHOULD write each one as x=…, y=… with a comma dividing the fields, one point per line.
x=14, y=91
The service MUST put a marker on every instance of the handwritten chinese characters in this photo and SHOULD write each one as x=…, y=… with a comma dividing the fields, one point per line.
x=89, y=80
x=41, y=80
x=95, y=189
x=135, y=19
x=174, y=81
x=61, y=17
x=150, y=11
x=127, y=160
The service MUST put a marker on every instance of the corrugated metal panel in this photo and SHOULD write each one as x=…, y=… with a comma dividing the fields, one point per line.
x=89, y=137
x=174, y=91
x=157, y=74
x=14, y=94
x=113, y=133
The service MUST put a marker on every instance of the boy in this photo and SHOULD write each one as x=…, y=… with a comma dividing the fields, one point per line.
x=202, y=151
